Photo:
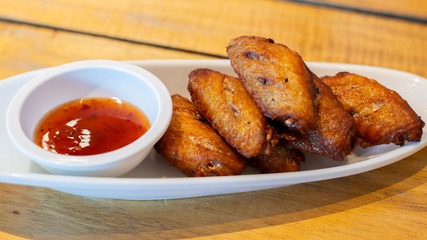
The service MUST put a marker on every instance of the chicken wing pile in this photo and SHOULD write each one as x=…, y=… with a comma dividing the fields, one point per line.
x=275, y=110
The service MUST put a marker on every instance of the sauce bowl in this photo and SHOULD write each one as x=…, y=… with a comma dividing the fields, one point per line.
x=86, y=79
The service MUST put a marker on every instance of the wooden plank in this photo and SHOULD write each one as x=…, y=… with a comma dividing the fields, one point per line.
x=414, y=8
x=25, y=48
x=318, y=35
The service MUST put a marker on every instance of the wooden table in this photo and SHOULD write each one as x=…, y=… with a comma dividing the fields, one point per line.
x=390, y=202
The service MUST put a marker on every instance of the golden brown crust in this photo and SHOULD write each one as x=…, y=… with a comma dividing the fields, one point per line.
x=225, y=103
x=381, y=115
x=191, y=145
x=281, y=160
x=334, y=133
x=277, y=78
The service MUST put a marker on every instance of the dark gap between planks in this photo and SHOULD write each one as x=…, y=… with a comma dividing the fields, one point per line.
x=396, y=16
x=8, y=20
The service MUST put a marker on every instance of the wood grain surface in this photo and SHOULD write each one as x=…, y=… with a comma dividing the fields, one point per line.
x=386, y=203
x=415, y=9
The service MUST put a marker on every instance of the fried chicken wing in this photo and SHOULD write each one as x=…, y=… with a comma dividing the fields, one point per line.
x=334, y=134
x=381, y=115
x=277, y=78
x=192, y=145
x=224, y=101
x=281, y=160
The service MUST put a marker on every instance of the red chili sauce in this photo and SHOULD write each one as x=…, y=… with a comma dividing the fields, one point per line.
x=90, y=126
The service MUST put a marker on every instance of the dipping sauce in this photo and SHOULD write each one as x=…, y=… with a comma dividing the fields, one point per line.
x=90, y=126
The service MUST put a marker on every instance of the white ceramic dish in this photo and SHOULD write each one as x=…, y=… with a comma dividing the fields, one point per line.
x=87, y=79
x=155, y=179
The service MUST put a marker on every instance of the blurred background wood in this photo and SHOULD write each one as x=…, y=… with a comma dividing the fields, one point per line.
x=389, y=202
x=320, y=34
x=410, y=8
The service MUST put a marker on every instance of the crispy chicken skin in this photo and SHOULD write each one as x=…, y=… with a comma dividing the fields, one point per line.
x=192, y=145
x=334, y=134
x=277, y=78
x=381, y=115
x=281, y=160
x=224, y=101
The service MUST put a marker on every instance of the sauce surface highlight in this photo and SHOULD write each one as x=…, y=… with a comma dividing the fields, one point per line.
x=90, y=126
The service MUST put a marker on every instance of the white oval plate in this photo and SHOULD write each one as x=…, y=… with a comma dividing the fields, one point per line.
x=155, y=179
